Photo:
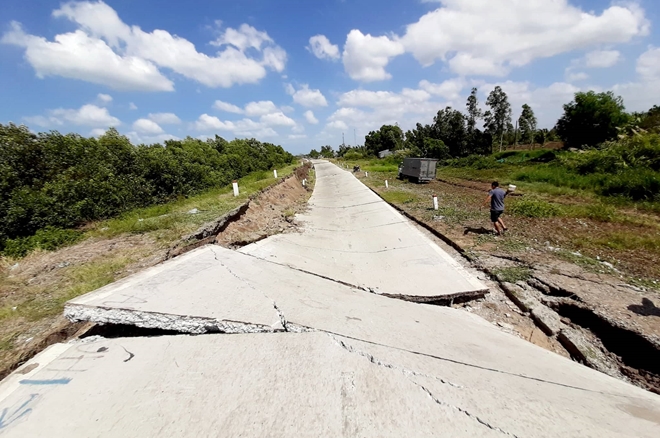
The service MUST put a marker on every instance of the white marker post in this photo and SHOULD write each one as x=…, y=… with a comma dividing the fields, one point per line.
x=366, y=174
x=304, y=183
x=387, y=185
x=275, y=173
x=435, y=202
x=235, y=185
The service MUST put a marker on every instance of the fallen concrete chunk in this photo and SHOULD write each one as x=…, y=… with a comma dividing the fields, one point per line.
x=351, y=235
x=547, y=320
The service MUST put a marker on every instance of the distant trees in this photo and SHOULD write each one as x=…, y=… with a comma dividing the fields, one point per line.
x=387, y=137
x=327, y=152
x=591, y=118
x=314, y=154
x=56, y=180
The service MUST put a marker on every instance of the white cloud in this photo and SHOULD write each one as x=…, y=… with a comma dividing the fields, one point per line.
x=165, y=118
x=105, y=50
x=365, y=57
x=227, y=107
x=307, y=97
x=146, y=126
x=132, y=106
x=76, y=55
x=277, y=119
x=104, y=98
x=97, y=132
x=479, y=37
x=309, y=116
x=645, y=92
x=86, y=115
x=576, y=76
x=260, y=108
x=339, y=125
x=321, y=47
x=209, y=123
x=297, y=136
x=243, y=38
x=449, y=89
x=602, y=58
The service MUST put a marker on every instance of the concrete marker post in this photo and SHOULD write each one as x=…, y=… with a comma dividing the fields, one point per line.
x=366, y=174
x=235, y=185
x=275, y=173
x=304, y=182
x=387, y=185
x=435, y=202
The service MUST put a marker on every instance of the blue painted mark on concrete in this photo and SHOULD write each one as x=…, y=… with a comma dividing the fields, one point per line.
x=45, y=382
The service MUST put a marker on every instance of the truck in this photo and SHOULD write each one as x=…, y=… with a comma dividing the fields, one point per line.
x=418, y=169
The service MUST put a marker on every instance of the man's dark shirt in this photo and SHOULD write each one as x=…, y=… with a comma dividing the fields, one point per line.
x=497, y=199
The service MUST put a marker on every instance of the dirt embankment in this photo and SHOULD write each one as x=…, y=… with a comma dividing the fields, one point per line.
x=271, y=213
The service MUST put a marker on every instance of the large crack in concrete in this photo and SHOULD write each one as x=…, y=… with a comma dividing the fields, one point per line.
x=286, y=326
x=409, y=374
x=162, y=321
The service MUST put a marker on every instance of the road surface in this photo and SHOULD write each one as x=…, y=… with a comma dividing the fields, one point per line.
x=295, y=350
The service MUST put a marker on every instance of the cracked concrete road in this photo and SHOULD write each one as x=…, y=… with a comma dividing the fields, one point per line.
x=351, y=235
x=292, y=353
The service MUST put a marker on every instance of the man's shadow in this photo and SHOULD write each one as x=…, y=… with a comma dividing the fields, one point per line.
x=646, y=309
x=480, y=230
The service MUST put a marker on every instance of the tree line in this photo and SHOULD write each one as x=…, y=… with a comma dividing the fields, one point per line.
x=55, y=180
x=589, y=120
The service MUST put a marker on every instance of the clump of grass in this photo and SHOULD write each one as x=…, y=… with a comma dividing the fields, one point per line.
x=289, y=213
x=535, y=208
x=399, y=197
x=48, y=239
x=513, y=274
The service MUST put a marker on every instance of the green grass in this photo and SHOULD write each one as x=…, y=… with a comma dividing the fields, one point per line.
x=174, y=216
x=513, y=274
x=399, y=197
x=535, y=208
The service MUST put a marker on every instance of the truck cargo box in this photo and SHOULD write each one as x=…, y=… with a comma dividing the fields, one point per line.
x=418, y=169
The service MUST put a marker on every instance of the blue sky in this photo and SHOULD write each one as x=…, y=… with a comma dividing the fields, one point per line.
x=300, y=73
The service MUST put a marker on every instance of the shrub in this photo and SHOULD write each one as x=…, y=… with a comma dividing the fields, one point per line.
x=49, y=239
x=535, y=208
x=352, y=156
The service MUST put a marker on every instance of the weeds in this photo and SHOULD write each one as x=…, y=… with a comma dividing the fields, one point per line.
x=535, y=208
x=513, y=274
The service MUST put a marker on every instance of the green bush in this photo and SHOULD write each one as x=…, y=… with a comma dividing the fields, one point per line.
x=353, y=155
x=48, y=239
x=535, y=208
x=638, y=185
x=62, y=181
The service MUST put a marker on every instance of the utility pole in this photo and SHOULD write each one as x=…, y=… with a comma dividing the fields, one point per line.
x=343, y=142
x=354, y=138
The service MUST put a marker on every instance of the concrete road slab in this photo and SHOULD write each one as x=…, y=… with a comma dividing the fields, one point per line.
x=220, y=385
x=351, y=235
x=586, y=404
x=190, y=294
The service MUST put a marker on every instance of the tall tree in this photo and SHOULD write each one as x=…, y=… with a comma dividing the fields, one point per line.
x=499, y=117
x=473, y=110
x=591, y=119
x=527, y=124
x=449, y=126
x=327, y=151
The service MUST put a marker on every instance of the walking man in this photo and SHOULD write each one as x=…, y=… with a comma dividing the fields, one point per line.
x=496, y=198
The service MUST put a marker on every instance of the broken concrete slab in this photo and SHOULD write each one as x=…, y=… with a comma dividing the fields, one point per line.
x=228, y=280
x=351, y=235
x=243, y=385
x=181, y=295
